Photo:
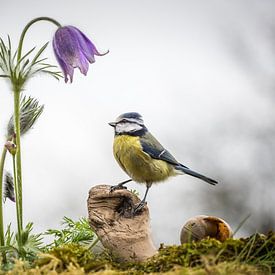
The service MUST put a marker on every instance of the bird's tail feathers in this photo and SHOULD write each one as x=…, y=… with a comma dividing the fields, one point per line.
x=190, y=172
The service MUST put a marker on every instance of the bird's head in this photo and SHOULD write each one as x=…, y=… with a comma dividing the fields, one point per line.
x=129, y=124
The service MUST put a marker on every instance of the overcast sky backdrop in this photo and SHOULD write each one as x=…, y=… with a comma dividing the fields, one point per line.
x=198, y=71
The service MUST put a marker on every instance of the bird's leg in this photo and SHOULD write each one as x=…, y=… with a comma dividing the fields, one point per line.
x=140, y=206
x=120, y=185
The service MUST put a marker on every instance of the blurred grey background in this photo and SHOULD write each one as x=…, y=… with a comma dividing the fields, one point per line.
x=202, y=74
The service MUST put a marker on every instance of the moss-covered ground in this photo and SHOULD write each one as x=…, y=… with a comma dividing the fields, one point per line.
x=252, y=255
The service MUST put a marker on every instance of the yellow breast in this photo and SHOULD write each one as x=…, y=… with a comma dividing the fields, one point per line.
x=138, y=164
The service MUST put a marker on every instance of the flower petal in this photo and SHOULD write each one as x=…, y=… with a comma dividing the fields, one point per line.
x=67, y=45
x=66, y=67
x=86, y=45
x=82, y=63
x=67, y=70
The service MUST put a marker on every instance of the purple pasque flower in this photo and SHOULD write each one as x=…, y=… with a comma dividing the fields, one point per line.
x=73, y=49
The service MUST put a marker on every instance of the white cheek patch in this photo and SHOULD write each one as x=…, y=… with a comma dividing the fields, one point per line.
x=127, y=127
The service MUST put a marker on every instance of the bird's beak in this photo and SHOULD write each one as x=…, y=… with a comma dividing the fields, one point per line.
x=113, y=124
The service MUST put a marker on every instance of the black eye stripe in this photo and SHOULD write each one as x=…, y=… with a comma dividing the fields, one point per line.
x=125, y=121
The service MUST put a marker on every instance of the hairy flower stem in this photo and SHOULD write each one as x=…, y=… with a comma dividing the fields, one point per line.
x=2, y=236
x=20, y=45
x=17, y=88
x=17, y=168
x=17, y=195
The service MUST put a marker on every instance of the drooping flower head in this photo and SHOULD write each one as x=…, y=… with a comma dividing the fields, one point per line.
x=73, y=50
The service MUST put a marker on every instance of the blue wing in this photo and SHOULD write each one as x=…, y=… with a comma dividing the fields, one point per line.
x=152, y=147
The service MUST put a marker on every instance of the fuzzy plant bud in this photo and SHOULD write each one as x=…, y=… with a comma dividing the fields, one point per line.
x=9, y=187
x=30, y=110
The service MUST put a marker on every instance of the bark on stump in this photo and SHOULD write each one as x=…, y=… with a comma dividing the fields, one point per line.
x=127, y=236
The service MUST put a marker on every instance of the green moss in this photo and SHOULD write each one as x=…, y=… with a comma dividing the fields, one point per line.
x=253, y=255
x=222, y=268
x=64, y=256
x=72, y=253
x=257, y=250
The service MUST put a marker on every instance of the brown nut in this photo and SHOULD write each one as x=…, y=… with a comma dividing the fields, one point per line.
x=200, y=227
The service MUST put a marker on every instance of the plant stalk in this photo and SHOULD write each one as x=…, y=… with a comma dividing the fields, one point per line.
x=17, y=195
x=43, y=18
x=17, y=167
x=17, y=88
x=2, y=235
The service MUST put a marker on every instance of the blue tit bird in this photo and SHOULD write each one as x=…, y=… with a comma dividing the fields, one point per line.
x=142, y=157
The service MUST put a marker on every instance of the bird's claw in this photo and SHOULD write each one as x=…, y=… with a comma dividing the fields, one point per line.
x=117, y=187
x=139, y=207
x=129, y=210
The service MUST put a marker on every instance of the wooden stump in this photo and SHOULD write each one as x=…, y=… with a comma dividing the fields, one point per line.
x=126, y=235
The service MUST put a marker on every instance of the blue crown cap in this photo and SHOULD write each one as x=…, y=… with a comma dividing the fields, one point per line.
x=131, y=116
